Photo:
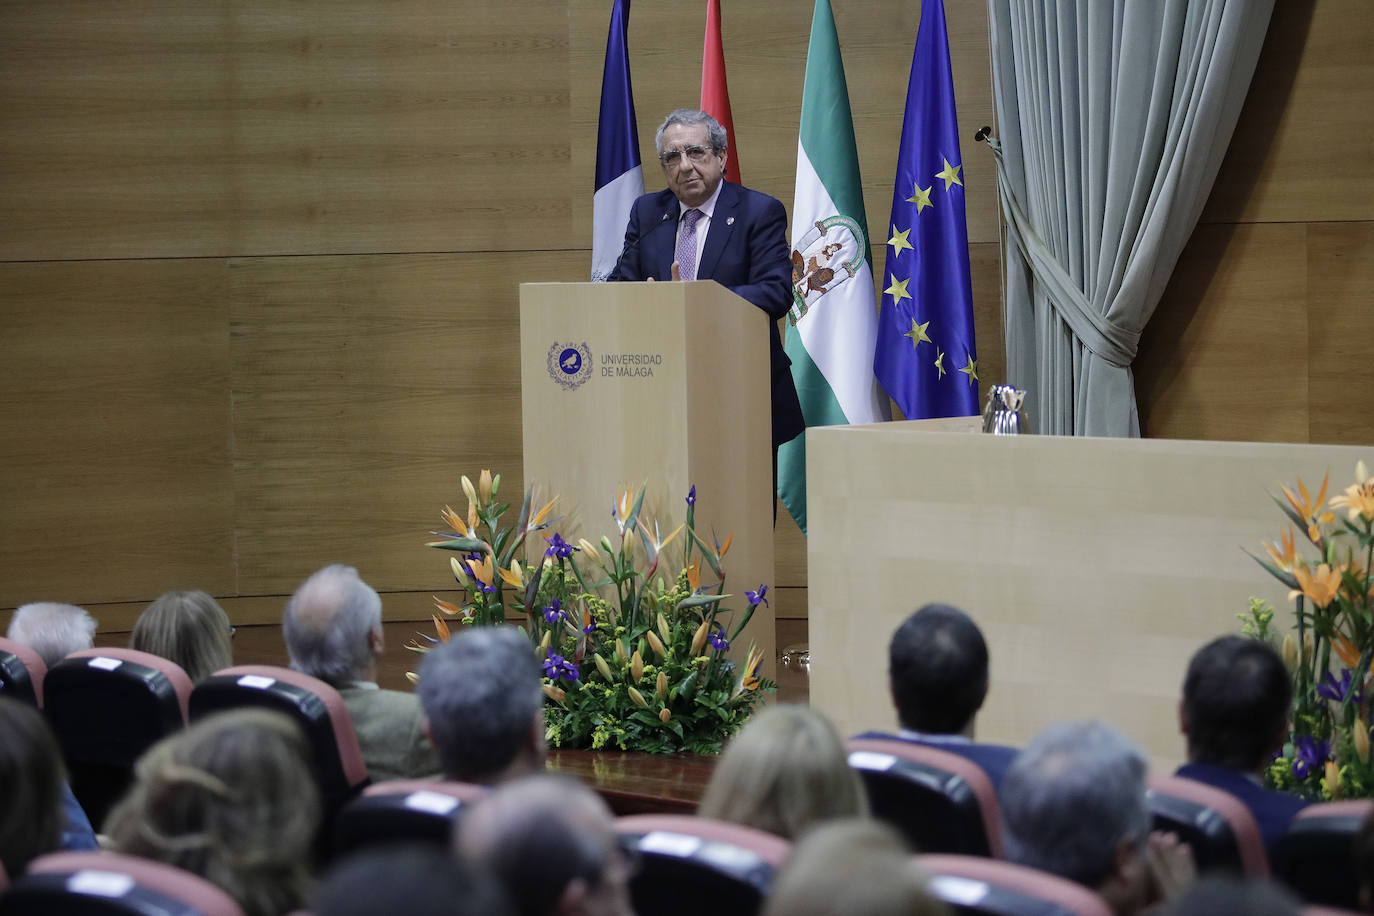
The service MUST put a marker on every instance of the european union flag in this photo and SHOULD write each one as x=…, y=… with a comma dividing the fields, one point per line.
x=926, y=358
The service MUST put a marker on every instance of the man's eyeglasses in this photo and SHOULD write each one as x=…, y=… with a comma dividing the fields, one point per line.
x=672, y=157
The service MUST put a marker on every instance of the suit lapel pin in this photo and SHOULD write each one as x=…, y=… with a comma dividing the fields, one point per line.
x=730, y=221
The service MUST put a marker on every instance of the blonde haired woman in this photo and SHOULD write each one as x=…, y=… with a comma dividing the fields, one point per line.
x=231, y=799
x=785, y=771
x=189, y=628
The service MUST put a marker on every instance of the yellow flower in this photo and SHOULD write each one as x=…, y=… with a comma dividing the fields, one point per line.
x=514, y=577
x=1308, y=508
x=541, y=516
x=1284, y=554
x=694, y=576
x=1320, y=585
x=482, y=571
x=750, y=672
x=1358, y=500
x=1345, y=650
x=557, y=694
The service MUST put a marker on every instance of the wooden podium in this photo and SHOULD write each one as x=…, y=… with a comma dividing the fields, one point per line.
x=667, y=384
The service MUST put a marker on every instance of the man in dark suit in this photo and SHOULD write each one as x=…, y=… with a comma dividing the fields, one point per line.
x=938, y=676
x=703, y=228
x=1234, y=713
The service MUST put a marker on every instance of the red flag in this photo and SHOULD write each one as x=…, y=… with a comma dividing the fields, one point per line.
x=715, y=95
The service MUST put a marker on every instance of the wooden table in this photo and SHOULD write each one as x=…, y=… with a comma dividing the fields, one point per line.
x=634, y=783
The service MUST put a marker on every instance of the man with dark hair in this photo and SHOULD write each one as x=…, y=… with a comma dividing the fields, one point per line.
x=1234, y=713
x=552, y=844
x=484, y=706
x=938, y=676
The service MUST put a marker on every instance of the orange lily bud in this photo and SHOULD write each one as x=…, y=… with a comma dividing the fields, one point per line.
x=699, y=637
x=468, y=490
x=664, y=715
x=601, y=666
x=557, y=694
x=637, y=698
x=662, y=686
x=620, y=654
x=484, y=485
x=655, y=644
x=1333, y=779
x=636, y=666
x=1290, y=653
x=588, y=550
x=663, y=629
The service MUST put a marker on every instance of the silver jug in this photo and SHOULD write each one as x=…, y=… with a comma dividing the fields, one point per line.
x=1003, y=414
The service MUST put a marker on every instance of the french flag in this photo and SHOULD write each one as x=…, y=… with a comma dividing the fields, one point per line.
x=619, y=174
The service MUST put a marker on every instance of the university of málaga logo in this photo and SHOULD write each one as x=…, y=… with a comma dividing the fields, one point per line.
x=570, y=364
x=826, y=257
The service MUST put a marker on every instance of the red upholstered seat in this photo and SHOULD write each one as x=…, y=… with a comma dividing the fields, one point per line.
x=21, y=672
x=988, y=887
x=98, y=883
x=402, y=810
x=108, y=706
x=1221, y=830
x=940, y=801
x=1315, y=857
x=729, y=868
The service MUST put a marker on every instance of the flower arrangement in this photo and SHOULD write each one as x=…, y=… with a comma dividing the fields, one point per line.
x=633, y=650
x=1327, y=755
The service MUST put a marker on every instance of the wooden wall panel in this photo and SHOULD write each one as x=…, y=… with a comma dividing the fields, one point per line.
x=1340, y=329
x=363, y=388
x=115, y=410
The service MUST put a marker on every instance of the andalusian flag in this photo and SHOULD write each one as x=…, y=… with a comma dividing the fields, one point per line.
x=833, y=325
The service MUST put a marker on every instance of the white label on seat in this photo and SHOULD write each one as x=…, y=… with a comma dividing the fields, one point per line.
x=104, y=663
x=871, y=760
x=952, y=889
x=727, y=856
x=670, y=844
x=433, y=802
x=100, y=883
x=256, y=681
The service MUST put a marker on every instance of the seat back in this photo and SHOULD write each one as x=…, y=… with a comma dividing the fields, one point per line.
x=108, y=884
x=1315, y=856
x=401, y=811
x=987, y=887
x=708, y=864
x=314, y=705
x=108, y=706
x=21, y=672
x=941, y=802
x=1217, y=825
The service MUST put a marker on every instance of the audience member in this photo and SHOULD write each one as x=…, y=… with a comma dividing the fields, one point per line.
x=552, y=844
x=938, y=676
x=785, y=771
x=31, y=786
x=52, y=630
x=55, y=631
x=1233, y=896
x=418, y=880
x=483, y=705
x=852, y=866
x=333, y=631
x=1234, y=714
x=232, y=799
x=188, y=628
x=1073, y=804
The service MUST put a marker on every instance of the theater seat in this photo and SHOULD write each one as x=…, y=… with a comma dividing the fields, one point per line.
x=1315, y=857
x=108, y=706
x=1216, y=824
x=21, y=672
x=940, y=801
x=403, y=810
x=107, y=884
x=691, y=865
x=988, y=887
x=316, y=707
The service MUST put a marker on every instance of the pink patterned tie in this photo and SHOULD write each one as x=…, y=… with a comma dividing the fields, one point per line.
x=686, y=252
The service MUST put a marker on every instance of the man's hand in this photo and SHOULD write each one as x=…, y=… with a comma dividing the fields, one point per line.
x=676, y=271
x=1171, y=867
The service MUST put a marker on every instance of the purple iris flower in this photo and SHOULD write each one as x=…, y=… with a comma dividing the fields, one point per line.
x=559, y=547
x=589, y=629
x=1310, y=754
x=758, y=597
x=476, y=556
x=718, y=641
x=692, y=496
x=1335, y=690
x=558, y=668
x=553, y=612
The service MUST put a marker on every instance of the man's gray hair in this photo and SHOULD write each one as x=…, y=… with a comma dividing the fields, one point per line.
x=52, y=630
x=481, y=693
x=691, y=117
x=327, y=624
x=1070, y=799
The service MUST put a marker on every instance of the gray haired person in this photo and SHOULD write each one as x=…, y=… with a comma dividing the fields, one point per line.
x=53, y=630
x=1074, y=804
x=483, y=705
x=333, y=631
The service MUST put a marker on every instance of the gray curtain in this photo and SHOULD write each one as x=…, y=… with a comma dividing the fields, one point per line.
x=1113, y=118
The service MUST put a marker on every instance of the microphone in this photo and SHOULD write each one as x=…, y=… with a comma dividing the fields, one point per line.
x=633, y=245
x=983, y=133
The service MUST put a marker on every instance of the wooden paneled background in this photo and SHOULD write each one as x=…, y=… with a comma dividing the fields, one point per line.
x=259, y=262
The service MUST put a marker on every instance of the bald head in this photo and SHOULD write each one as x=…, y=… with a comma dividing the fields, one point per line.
x=333, y=626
